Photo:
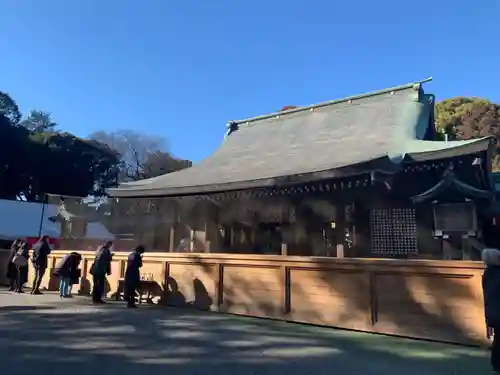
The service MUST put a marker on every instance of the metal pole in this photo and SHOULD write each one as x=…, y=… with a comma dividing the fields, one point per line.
x=43, y=213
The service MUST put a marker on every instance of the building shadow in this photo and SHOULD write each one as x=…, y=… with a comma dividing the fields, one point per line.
x=202, y=299
x=53, y=284
x=85, y=287
x=172, y=294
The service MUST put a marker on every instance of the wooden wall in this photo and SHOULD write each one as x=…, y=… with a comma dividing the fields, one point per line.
x=439, y=300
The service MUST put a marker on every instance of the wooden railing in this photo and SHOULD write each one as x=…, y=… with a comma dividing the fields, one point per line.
x=439, y=300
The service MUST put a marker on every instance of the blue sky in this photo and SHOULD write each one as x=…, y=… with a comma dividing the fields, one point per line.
x=182, y=69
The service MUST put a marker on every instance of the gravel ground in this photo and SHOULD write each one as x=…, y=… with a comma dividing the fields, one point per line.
x=44, y=335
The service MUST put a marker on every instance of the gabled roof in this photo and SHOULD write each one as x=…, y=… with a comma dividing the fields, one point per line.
x=449, y=180
x=374, y=131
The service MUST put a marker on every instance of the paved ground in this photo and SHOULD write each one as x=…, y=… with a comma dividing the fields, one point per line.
x=45, y=336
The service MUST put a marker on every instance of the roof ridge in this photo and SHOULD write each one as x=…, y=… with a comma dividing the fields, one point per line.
x=415, y=85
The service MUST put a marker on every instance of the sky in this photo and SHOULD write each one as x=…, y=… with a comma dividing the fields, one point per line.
x=183, y=69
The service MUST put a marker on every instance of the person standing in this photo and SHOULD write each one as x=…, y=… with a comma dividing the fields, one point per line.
x=11, y=273
x=22, y=267
x=133, y=275
x=75, y=275
x=100, y=268
x=65, y=269
x=491, y=293
x=41, y=251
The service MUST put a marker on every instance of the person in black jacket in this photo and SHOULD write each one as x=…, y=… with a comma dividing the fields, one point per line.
x=41, y=251
x=22, y=270
x=99, y=269
x=491, y=293
x=75, y=275
x=11, y=274
x=66, y=269
x=133, y=275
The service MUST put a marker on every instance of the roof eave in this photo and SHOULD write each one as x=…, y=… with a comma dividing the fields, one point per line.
x=382, y=164
x=445, y=152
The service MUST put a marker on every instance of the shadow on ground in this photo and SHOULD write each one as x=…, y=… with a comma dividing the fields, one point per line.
x=46, y=336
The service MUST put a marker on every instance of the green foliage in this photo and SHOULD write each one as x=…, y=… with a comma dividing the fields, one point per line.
x=465, y=118
x=70, y=165
x=39, y=122
x=9, y=108
x=36, y=160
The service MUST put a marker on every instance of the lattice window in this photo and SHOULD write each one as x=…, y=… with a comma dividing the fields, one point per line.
x=393, y=231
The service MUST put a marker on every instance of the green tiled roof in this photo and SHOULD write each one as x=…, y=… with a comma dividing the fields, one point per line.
x=377, y=130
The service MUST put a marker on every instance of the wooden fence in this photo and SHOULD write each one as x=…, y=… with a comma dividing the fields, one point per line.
x=440, y=300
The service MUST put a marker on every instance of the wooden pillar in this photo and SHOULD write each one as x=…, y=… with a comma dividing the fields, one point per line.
x=166, y=275
x=206, y=242
x=219, y=286
x=340, y=251
x=192, y=240
x=173, y=224
x=340, y=231
x=122, y=268
x=231, y=236
x=285, y=289
x=171, y=246
x=284, y=249
x=284, y=277
x=372, y=296
x=447, y=248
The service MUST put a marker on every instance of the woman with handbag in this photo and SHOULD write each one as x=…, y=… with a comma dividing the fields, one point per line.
x=11, y=274
x=21, y=261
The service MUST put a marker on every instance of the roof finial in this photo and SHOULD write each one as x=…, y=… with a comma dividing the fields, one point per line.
x=232, y=126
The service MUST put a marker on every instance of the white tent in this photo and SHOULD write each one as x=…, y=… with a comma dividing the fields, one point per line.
x=20, y=219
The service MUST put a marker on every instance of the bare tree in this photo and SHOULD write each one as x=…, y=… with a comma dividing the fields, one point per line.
x=160, y=163
x=142, y=155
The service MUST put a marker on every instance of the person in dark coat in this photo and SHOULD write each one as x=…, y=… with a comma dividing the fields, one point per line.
x=11, y=273
x=74, y=276
x=66, y=269
x=491, y=294
x=100, y=268
x=22, y=271
x=133, y=275
x=41, y=251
